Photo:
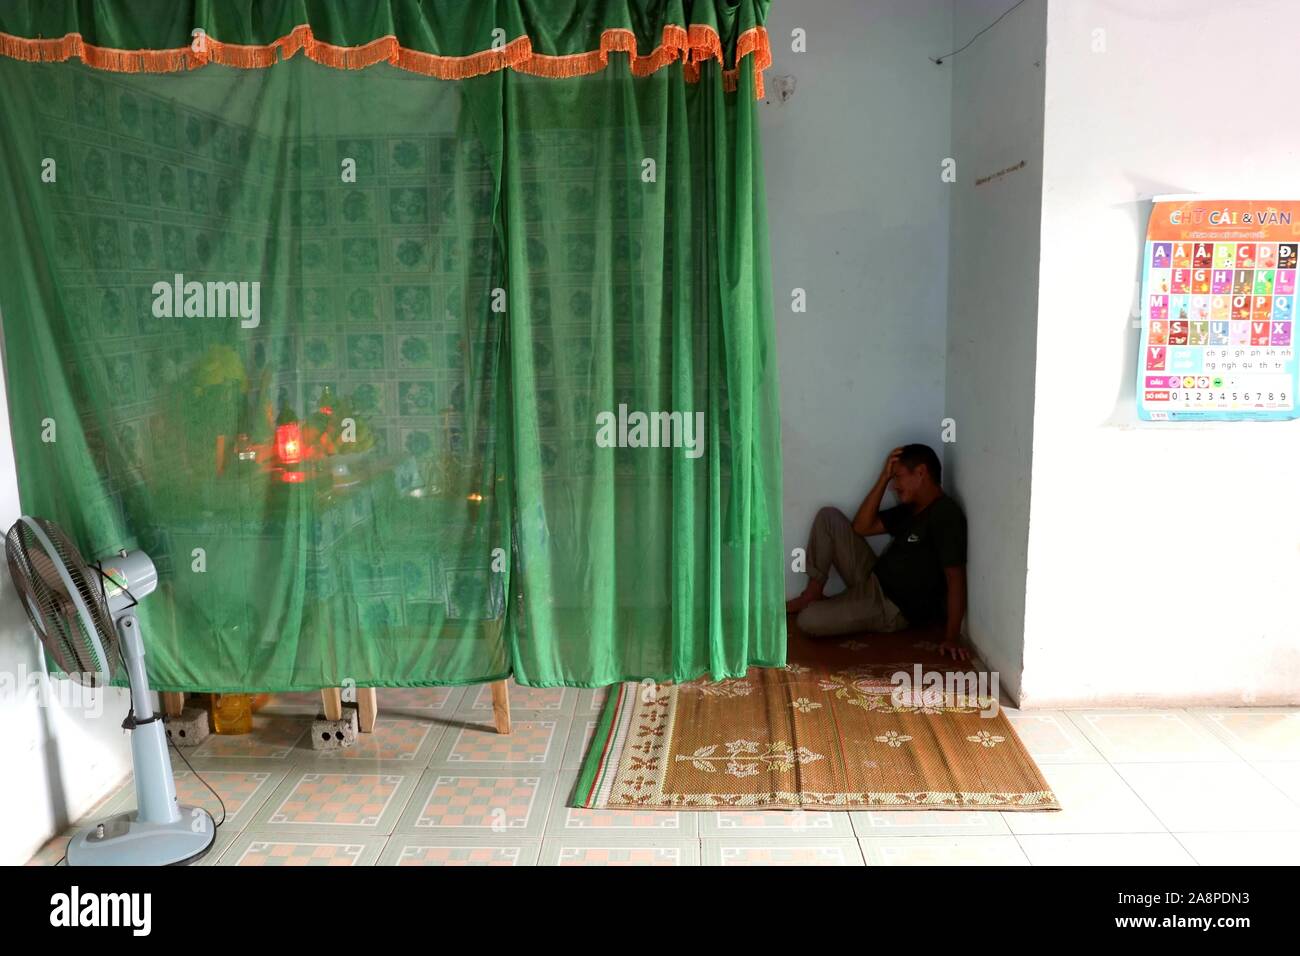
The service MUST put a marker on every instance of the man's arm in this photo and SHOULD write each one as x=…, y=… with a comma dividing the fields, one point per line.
x=867, y=520
x=956, y=578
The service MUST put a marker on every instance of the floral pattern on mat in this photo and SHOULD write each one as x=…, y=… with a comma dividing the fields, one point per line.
x=743, y=758
x=827, y=731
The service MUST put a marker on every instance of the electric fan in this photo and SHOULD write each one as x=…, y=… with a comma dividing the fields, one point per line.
x=85, y=617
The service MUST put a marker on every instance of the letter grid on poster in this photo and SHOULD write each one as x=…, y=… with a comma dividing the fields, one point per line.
x=1218, y=311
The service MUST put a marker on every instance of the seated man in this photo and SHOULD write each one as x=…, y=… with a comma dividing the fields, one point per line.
x=919, y=580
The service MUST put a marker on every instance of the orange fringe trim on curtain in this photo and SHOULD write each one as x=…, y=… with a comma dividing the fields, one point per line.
x=692, y=46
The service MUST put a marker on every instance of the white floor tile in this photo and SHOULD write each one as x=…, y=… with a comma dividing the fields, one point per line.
x=1094, y=799
x=1242, y=849
x=1204, y=797
x=1149, y=736
x=1051, y=737
x=1285, y=775
x=1265, y=733
x=943, y=851
x=1104, y=849
x=918, y=823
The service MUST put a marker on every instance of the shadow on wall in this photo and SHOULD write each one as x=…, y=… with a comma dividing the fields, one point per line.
x=1124, y=411
x=53, y=776
x=23, y=660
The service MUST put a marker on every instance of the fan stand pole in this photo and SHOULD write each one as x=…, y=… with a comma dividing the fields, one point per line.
x=155, y=787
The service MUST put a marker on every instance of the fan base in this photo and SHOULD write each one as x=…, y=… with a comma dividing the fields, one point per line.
x=126, y=841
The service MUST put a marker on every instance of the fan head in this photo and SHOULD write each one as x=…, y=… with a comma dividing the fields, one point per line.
x=64, y=599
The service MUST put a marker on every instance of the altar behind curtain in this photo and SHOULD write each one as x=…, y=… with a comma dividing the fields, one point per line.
x=438, y=336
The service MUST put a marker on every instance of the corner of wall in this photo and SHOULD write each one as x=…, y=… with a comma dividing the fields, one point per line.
x=995, y=229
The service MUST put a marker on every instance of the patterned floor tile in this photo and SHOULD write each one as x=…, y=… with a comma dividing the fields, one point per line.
x=495, y=807
x=274, y=737
x=261, y=847
x=405, y=849
x=242, y=791
x=536, y=742
x=934, y=823
x=226, y=835
x=1105, y=849
x=1149, y=736
x=362, y=799
x=944, y=851
x=1051, y=737
x=53, y=850
x=789, y=824
x=591, y=701
x=552, y=701
x=561, y=851
x=569, y=822
x=293, y=703
x=408, y=740
x=1265, y=733
x=580, y=733
x=120, y=797
x=1226, y=781
x=783, y=851
x=419, y=701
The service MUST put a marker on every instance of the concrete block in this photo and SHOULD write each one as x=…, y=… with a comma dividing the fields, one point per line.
x=189, y=728
x=334, y=734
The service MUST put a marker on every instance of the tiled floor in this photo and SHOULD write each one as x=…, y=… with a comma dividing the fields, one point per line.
x=436, y=786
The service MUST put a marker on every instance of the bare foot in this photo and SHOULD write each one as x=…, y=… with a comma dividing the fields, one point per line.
x=797, y=604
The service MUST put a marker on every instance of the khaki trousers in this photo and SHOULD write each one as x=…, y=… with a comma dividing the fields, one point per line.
x=863, y=605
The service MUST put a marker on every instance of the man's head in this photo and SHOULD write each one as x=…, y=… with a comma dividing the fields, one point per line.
x=917, y=473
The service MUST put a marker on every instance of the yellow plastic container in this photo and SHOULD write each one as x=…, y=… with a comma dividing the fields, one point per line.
x=232, y=713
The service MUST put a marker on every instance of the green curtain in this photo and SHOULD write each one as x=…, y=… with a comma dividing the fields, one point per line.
x=394, y=471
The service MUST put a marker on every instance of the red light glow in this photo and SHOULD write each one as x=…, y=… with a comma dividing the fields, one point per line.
x=288, y=443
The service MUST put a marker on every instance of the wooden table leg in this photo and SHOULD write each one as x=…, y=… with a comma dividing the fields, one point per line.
x=332, y=699
x=172, y=702
x=501, y=706
x=367, y=709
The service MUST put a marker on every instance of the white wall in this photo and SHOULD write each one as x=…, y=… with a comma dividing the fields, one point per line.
x=858, y=218
x=997, y=124
x=58, y=760
x=1163, y=558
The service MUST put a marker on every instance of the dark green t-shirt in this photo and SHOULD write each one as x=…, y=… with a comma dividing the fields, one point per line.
x=911, y=569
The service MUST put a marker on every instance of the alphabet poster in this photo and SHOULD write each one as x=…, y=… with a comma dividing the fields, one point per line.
x=1218, y=311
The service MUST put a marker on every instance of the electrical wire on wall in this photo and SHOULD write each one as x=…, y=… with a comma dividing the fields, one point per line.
x=938, y=61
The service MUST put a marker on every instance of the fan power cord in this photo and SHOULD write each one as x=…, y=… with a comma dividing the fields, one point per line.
x=212, y=789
